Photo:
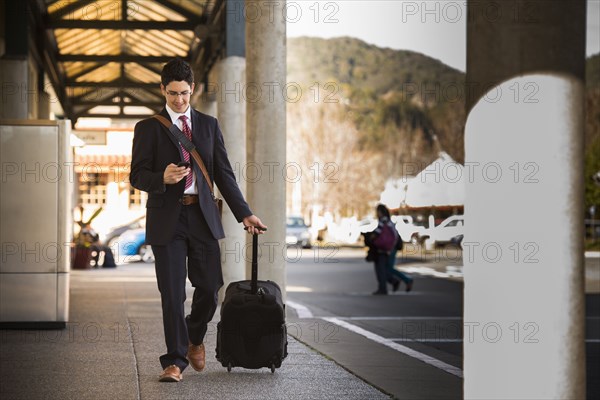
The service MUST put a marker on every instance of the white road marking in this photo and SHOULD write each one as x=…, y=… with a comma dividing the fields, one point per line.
x=398, y=347
x=298, y=289
x=432, y=340
x=302, y=311
x=401, y=318
x=428, y=271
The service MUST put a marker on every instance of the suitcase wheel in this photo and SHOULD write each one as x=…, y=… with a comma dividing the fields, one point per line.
x=272, y=368
x=229, y=367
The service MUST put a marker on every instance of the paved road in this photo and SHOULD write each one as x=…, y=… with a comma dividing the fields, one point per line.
x=338, y=283
x=428, y=319
x=407, y=344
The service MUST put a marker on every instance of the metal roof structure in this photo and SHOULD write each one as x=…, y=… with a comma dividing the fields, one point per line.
x=104, y=57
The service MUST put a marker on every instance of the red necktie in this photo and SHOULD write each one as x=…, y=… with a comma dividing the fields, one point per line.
x=186, y=156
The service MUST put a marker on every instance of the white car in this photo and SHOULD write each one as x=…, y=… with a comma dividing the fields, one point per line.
x=448, y=229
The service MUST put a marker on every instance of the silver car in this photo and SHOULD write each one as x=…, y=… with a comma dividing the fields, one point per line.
x=296, y=232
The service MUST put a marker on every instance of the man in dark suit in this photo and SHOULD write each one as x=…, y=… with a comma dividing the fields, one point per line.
x=182, y=220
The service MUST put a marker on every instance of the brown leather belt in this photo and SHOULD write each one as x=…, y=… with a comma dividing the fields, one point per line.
x=189, y=199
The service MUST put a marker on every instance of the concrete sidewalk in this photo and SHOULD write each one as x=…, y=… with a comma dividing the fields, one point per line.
x=111, y=346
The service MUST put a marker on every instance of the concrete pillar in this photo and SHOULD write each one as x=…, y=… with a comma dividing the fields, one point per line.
x=524, y=287
x=17, y=83
x=206, y=102
x=43, y=110
x=266, y=123
x=229, y=76
x=2, y=29
x=14, y=79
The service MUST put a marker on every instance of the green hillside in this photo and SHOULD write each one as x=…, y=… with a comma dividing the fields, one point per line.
x=363, y=66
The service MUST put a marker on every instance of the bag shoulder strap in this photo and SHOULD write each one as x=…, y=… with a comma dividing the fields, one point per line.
x=189, y=146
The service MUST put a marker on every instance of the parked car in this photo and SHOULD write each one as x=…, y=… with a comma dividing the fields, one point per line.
x=444, y=233
x=110, y=238
x=457, y=240
x=133, y=243
x=296, y=232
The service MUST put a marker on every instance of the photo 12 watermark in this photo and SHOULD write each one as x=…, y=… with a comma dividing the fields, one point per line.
x=292, y=12
x=453, y=12
x=516, y=172
x=78, y=331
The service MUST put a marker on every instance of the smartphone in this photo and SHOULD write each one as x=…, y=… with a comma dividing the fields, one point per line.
x=183, y=164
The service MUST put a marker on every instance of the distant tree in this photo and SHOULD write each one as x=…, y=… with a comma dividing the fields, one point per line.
x=335, y=173
x=592, y=134
x=592, y=176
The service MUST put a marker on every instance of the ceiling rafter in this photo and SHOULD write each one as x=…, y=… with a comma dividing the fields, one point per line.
x=141, y=40
x=119, y=115
x=85, y=71
x=177, y=8
x=96, y=93
x=114, y=57
x=150, y=68
x=136, y=98
x=122, y=103
x=122, y=25
x=71, y=8
x=122, y=83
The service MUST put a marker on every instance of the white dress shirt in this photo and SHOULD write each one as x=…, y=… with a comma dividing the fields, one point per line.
x=193, y=189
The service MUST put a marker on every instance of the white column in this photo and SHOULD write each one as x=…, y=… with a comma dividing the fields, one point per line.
x=523, y=255
x=206, y=103
x=266, y=125
x=523, y=247
x=229, y=76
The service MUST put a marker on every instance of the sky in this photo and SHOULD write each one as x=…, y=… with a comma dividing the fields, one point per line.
x=434, y=28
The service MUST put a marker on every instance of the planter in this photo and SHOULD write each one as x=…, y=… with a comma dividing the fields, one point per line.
x=81, y=257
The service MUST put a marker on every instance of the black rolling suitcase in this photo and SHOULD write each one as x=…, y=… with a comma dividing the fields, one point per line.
x=252, y=332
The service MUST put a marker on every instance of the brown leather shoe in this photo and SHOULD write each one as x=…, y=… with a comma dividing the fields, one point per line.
x=196, y=356
x=171, y=374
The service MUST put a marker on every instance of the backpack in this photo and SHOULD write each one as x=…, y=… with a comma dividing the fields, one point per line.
x=387, y=239
x=399, y=243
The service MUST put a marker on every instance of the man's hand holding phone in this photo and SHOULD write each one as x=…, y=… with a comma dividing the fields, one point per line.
x=175, y=173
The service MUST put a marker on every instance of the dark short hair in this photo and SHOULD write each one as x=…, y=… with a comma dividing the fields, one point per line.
x=176, y=70
x=383, y=210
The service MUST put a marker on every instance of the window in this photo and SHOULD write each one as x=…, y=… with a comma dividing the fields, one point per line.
x=456, y=222
x=136, y=198
x=92, y=189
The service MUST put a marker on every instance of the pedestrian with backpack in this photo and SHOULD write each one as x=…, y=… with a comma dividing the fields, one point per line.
x=394, y=276
x=384, y=239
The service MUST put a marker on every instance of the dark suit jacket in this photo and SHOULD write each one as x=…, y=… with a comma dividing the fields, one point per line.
x=154, y=147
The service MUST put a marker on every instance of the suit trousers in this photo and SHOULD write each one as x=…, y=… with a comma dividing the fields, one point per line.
x=194, y=243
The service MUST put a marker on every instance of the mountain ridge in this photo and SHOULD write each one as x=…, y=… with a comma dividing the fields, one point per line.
x=365, y=66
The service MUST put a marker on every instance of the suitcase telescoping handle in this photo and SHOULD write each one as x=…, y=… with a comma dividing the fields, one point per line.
x=254, y=281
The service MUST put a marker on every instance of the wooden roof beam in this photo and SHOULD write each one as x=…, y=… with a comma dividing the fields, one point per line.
x=123, y=25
